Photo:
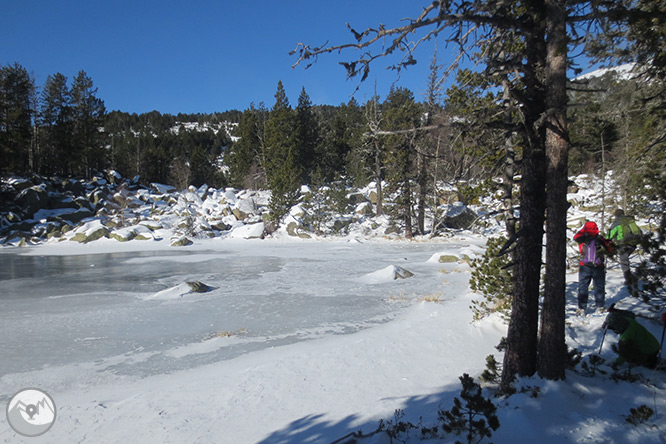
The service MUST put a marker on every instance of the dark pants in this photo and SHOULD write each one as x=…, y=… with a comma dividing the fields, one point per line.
x=587, y=274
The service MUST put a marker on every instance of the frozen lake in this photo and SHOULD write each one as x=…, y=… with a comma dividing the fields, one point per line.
x=108, y=309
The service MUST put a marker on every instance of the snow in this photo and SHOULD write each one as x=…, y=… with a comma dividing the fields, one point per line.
x=299, y=341
x=624, y=72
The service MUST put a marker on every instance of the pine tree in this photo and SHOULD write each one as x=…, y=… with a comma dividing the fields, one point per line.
x=281, y=156
x=87, y=113
x=17, y=92
x=56, y=125
x=202, y=168
x=474, y=415
x=308, y=135
x=244, y=156
x=400, y=113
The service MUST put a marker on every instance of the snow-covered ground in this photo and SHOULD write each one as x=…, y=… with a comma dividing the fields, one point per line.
x=299, y=341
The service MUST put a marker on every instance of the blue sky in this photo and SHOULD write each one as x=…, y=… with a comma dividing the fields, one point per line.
x=200, y=56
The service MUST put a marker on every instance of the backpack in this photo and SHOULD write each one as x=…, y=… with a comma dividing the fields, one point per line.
x=626, y=232
x=591, y=253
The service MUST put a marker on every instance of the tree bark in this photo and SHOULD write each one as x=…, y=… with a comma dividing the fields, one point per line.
x=520, y=357
x=552, y=346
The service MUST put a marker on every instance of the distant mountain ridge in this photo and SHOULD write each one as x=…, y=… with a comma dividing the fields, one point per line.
x=625, y=72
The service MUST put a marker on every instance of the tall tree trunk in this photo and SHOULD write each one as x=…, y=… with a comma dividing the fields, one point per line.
x=435, y=196
x=407, y=209
x=521, y=354
x=422, y=180
x=378, y=177
x=520, y=357
x=552, y=347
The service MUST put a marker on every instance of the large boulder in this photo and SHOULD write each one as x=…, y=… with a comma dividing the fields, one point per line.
x=19, y=183
x=59, y=201
x=162, y=189
x=356, y=198
x=76, y=216
x=73, y=186
x=244, y=208
x=250, y=231
x=90, y=231
x=32, y=199
x=297, y=230
x=181, y=242
x=461, y=217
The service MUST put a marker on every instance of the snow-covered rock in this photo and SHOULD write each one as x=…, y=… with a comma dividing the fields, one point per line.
x=251, y=231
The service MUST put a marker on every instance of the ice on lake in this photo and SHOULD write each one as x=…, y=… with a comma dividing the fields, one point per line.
x=130, y=312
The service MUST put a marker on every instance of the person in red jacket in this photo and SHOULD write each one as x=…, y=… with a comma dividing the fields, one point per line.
x=593, y=248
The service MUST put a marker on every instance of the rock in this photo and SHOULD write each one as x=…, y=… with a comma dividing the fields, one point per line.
x=98, y=196
x=89, y=232
x=230, y=196
x=294, y=229
x=390, y=273
x=161, y=188
x=76, y=216
x=251, y=231
x=73, y=186
x=401, y=273
x=356, y=198
x=151, y=225
x=82, y=202
x=20, y=184
x=114, y=177
x=462, y=219
x=25, y=226
x=13, y=217
x=181, y=242
x=297, y=211
x=364, y=209
x=32, y=199
x=244, y=208
x=220, y=225
x=123, y=235
x=199, y=287
x=59, y=201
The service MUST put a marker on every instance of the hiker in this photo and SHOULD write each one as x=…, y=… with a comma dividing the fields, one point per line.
x=593, y=247
x=636, y=344
x=625, y=235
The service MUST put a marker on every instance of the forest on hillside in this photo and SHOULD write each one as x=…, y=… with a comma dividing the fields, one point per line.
x=454, y=137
